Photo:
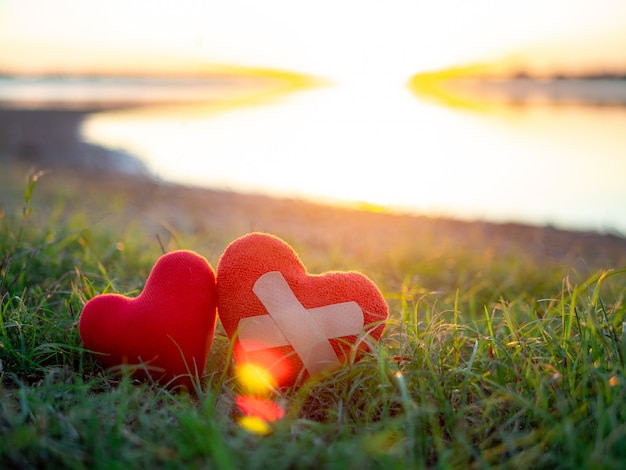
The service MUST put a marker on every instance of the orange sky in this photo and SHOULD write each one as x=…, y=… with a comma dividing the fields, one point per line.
x=347, y=40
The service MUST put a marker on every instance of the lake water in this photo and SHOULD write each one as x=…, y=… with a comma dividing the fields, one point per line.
x=563, y=165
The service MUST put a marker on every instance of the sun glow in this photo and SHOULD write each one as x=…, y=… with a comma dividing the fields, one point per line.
x=365, y=138
x=349, y=40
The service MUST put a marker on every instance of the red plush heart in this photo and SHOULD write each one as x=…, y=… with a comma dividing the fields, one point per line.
x=291, y=323
x=166, y=332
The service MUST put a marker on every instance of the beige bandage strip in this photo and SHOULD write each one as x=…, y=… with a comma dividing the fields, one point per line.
x=296, y=323
x=335, y=321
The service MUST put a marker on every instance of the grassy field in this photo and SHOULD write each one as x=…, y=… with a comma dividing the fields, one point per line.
x=505, y=346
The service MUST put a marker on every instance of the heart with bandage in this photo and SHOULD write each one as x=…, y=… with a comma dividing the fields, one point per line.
x=291, y=323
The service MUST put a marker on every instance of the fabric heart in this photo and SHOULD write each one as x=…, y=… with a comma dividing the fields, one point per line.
x=292, y=323
x=166, y=332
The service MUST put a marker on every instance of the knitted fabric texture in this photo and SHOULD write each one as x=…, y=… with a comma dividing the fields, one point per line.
x=245, y=265
x=167, y=331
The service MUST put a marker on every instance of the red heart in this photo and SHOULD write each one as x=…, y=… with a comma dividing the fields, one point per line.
x=281, y=317
x=167, y=331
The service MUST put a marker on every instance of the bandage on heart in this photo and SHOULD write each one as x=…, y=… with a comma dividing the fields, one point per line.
x=288, y=323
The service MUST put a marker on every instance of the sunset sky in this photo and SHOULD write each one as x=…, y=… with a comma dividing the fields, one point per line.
x=340, y=40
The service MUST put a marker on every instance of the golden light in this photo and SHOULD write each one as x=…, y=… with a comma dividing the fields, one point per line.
x=264, y=366
x=440, y=86
x=255, y=404
x=255, y=379
x=73, y=36
x=255, y=425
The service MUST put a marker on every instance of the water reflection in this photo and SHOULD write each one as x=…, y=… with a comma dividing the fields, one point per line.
x=540, y=164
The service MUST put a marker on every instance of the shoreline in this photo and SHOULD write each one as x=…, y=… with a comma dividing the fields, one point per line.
x=50, y=139
x=213, y=218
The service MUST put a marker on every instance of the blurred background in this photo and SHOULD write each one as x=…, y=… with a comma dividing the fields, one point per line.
x=500, y=111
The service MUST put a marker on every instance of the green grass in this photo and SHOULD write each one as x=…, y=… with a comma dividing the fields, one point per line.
x=487, y=361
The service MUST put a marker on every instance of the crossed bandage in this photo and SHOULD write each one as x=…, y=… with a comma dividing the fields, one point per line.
x=289, y=323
